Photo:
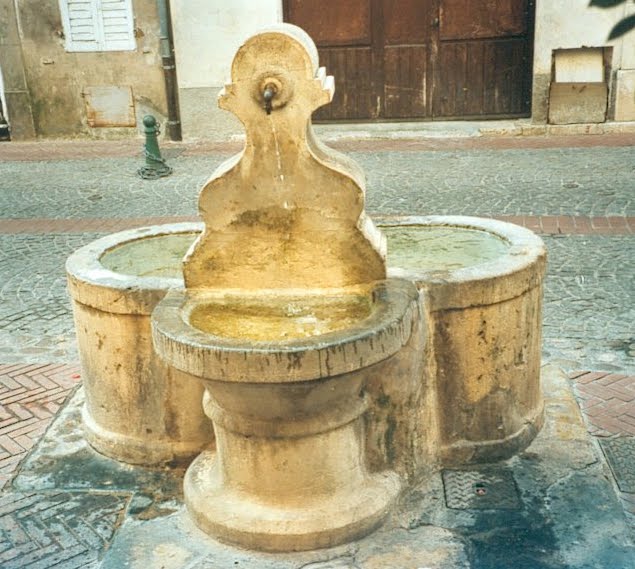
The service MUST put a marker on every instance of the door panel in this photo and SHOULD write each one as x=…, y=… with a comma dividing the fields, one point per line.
x=332, y=22
x=481, y=78
x=405, y=82
x=482, y=65
x=467, y=19
x=417, y=59
x=407, y=35
x=406, y=21
x=507, y=85
x=354, y=97
x=343, y=35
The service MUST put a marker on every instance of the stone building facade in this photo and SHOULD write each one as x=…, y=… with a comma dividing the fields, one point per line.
x=93, y=67
x=80, y=68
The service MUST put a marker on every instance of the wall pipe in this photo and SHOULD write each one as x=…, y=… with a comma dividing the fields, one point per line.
x=166, y=44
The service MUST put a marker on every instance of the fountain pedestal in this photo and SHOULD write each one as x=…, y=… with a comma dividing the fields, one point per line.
x=289, y=472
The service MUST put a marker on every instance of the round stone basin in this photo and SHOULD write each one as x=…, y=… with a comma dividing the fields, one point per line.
x=464, y=261
x=283, y=338
x=137, y=409
x=262, y=319
x=482, y=285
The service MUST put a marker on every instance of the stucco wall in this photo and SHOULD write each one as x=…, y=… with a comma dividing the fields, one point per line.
x=15, y=93
x=207, y=34
x=56, y=78
x=567, y=24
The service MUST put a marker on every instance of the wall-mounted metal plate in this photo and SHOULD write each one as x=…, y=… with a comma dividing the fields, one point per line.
x=109, y=106
x=620, y=453
x=482, y=489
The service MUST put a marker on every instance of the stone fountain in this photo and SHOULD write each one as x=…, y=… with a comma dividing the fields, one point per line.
x=337, y=371
x=285, y=311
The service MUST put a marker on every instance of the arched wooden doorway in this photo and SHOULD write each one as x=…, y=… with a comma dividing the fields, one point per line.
x=422, y=59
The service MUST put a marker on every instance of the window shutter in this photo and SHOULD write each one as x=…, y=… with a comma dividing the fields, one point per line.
x=117, y=25
x=98, y=25
x=80, y=25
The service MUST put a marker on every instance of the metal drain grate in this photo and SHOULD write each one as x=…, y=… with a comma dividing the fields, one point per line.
x=483, y=489
x=620, y=453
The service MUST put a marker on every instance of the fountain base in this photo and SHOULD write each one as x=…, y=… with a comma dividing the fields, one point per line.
x=235, y=517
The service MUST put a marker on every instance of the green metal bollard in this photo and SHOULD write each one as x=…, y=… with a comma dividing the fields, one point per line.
x=155, y=166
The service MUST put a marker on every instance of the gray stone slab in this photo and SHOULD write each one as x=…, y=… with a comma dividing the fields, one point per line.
x=172, y=542
x=568, y=514
x=620, y=453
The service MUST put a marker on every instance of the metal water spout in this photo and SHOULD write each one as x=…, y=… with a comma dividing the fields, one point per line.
x=268, y=94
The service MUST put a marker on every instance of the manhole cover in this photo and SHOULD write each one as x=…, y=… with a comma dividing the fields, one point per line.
x=482, y=489
x=620, y=453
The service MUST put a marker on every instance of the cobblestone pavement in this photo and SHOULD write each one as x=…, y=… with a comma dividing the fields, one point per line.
x=580, y=199
x=562, y=181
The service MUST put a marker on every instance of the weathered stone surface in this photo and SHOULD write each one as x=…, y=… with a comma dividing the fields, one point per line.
x=485, y=324
x=625, y=95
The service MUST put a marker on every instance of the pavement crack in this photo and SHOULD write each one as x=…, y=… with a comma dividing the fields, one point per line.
x=339, y=562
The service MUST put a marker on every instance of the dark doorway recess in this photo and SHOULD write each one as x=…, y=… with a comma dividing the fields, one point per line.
x=422, y=59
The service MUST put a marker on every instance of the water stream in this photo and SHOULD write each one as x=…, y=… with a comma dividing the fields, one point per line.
x=275, y=140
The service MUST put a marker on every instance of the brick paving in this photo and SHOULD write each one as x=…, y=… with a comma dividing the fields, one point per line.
x=30, y=397
x=62, y=530
x=607, y=401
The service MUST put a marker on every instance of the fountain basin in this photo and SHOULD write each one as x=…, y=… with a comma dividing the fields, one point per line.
x=482, y=281
x=287, y=411
x=375, y=329
x=486, y=270
x=138, y=409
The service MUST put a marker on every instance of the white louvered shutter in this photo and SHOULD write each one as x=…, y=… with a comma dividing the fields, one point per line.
x=98, y=25
x=117, y=24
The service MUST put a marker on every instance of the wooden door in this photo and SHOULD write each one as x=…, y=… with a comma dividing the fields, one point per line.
x=482, y=58
x=421, y=59
x=406, y=36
